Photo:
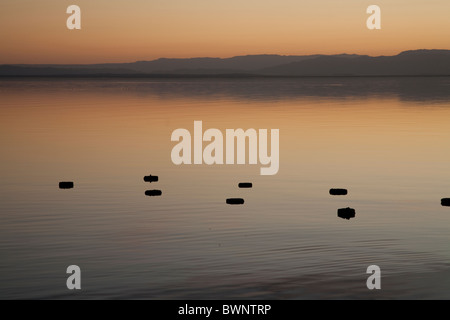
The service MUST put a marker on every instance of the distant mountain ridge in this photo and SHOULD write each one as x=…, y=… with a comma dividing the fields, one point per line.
x=407, y=63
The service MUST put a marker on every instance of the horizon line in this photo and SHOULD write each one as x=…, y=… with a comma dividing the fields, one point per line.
x=229, y=57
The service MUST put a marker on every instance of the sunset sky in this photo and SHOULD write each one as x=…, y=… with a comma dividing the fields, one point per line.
x=126, y=31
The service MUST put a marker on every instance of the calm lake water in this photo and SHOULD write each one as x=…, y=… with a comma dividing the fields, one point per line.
x=384, y=139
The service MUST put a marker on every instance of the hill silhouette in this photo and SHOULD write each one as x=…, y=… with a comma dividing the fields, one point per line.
x=407, y=63
x=419, y=62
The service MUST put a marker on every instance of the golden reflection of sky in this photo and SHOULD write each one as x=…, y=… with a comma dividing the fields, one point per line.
x=102, y=130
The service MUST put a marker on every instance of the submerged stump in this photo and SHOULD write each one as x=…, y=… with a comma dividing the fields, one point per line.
x=66, y=185
x=235, y=201
x=151, y=178
x=346, y=213
x=338, y=192
x=245, y=185
x=153, y=193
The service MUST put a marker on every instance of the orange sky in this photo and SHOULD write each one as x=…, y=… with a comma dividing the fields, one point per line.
x=125, y=31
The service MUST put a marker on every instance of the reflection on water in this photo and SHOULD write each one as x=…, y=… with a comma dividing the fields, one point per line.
x=385, y=139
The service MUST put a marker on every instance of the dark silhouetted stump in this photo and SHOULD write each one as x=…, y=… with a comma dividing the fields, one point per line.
x=346, y=213
x=66, y=185
x=151, y=178
x=235, y=201
x=245, y=185
x=338, y=192
x=445, y=202
x=153, y=193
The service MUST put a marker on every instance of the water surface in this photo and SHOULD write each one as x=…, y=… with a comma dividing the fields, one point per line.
x=384, y=139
